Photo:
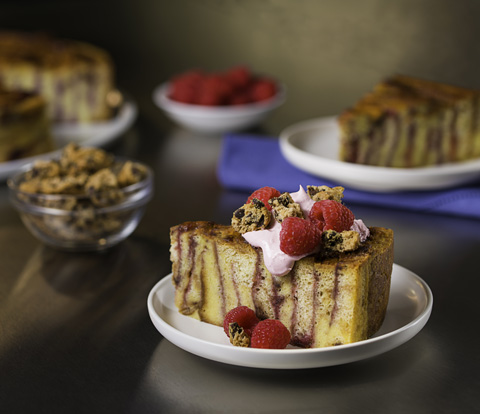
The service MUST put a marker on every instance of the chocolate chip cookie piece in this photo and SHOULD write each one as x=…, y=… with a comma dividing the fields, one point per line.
x=43, y=169
x=75, y=159
x=284, y=206
x=131, y=173
x=102, y=188
x=251, y=217
x=323, y=192
x=55, y=185
x=345, y=241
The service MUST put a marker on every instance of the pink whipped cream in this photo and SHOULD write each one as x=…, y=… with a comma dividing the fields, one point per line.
x=277, y=262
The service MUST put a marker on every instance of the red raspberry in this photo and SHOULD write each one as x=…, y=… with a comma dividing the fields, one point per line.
x=270, y=334
x=264, y=194
x=239, y=76
x=263, y=89
x=183, y=94
x=299, y=236
x=331, y=215
x=209, y=98
x=242, y=315
x=218, y=85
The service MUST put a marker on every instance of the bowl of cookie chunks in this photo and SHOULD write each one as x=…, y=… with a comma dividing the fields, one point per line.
x=86, y=200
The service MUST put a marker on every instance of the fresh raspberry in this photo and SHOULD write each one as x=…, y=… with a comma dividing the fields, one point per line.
x=332, y=215
x=242, y=315
x=183, y=94
x=218, y=85
x=270, y=334
x=299, y=236
x=264, y=194
x=239, y=76
x=234, y=86
x=263, y=89
x=209, y=98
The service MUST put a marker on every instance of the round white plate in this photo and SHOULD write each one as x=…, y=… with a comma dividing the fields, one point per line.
x=312, y=146
x=95, y=134
x=409, y=308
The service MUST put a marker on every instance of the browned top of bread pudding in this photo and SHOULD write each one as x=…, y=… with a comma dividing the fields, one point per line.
x=400, y=93
x=43, y=50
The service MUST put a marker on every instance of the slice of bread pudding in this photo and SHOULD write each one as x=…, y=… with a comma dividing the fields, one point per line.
x=335, y=295
x=409, y=122
x=74, y=78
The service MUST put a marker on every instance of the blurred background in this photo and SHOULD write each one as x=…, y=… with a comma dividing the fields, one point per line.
x=327, y=52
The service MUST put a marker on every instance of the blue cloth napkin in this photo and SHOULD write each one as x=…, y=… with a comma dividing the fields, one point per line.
x=249, y=161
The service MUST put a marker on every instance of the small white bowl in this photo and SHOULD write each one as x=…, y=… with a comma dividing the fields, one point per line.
x=216, y=119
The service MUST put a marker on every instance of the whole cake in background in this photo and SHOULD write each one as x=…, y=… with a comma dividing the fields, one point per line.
x=409, y=122
x=75, y=78
x=25, y=129
x=300, y=258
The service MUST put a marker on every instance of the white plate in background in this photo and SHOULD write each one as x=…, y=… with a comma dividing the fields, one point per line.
x=95, y=134
x=312, y=146
x=408, y=311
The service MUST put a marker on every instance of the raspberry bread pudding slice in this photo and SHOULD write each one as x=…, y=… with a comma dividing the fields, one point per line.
x=75, y=78
x=409, y=122
x=331, y=288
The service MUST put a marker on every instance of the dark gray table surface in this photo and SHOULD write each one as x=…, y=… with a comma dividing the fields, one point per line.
x=75, y=335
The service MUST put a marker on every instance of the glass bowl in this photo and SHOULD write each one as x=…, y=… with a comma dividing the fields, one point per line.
x=74, y=222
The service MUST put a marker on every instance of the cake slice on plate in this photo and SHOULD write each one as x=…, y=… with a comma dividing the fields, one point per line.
x=74, y=78
x=331, y=291
x=408, y=122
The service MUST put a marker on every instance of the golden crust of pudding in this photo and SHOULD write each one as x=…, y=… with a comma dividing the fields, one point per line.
x=400, y=93
x=43, y=50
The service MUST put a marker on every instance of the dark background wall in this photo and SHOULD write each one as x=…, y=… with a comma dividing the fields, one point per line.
x=328, y=52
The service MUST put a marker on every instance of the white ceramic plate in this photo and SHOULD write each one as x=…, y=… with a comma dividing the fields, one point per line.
x=313, y=145
x=95, y=134
x=408, y=311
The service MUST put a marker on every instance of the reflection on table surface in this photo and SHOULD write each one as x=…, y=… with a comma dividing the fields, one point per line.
x=78, y=323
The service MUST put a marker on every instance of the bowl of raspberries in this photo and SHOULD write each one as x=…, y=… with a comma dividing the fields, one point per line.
x=213, y=103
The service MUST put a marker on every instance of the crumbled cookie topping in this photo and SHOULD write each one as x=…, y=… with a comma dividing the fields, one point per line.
x=284, y=206
x=345, y=241
x=318, y=193
x=87, y=178
x=76, y=159
x=250, y=217
x=130, y=173
x=103, y=189
x=81, y=171
x=238, y=336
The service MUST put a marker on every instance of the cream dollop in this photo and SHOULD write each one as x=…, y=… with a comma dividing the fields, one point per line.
x=277, y=262
x=360, y=227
